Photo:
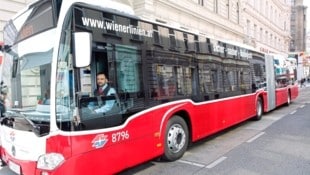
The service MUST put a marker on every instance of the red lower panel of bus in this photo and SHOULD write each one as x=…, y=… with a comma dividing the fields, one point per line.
x=141, y=138
x=18, y=166
x=283, y=94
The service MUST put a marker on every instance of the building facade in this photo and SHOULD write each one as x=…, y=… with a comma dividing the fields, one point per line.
x=298, y=26
x=267, y=25
x=263, y=24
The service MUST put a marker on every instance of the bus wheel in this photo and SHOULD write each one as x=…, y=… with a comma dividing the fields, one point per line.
x=176, y=139
x=259, y=109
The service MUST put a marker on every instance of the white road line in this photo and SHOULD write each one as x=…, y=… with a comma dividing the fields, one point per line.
x=293, y=112
x=302, y=106
x=216, y=162
x=191, y=163
x=255, y=137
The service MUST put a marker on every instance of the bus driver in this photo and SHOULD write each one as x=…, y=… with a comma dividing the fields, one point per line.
x=104, y=89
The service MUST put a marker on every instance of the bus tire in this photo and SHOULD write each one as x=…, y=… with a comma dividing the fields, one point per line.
x=259, y=109
x=176, y=139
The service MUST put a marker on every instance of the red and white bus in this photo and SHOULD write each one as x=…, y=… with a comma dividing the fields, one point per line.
x=173, y=87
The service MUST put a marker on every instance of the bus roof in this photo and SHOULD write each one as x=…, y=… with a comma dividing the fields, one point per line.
x=110, y=4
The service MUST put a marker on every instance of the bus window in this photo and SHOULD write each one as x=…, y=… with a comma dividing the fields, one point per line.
x=166, y=81
x=188, y=77
x=214, y=80
x=85, y=80
x=184, y=81
x=128, y=69
x=204, y=78
x=228, y=81
x=122, y=67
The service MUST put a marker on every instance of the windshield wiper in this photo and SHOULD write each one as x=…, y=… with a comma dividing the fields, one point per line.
x=20, y=122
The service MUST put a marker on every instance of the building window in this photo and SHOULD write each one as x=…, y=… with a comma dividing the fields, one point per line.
x=209, y=47
x=248, y=28
x=216, y=6
x=261, y=9
x=275, y=15
x=109, y=18
x=271, y=13
x=261, y=34
x=156, y=34
x=266, y=10
x=227, y=8
x=134, y=23
x=275, y=42
x=238, y=13
x=196, y=40
x=185, y=41
x=173, y=43
x=255, y=31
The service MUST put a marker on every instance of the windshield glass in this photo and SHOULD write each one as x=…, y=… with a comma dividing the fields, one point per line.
x=37, y=19
x=26, y=71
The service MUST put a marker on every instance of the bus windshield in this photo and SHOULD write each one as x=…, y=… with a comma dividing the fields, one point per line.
x=27, y=65
x=38, y=18
x=26, y=73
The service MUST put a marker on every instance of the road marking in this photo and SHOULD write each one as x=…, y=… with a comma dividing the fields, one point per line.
x=302, y=106
x=255, y=137
x=293, y=112
x=191, y=163
x=218, y=161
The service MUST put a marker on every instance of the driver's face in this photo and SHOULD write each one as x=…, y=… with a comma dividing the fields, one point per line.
x=101, y=80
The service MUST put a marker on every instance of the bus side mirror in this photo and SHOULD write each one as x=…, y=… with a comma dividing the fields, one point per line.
x=82, y=48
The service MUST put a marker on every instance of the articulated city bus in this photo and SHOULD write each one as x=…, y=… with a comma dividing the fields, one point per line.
x=172, y=88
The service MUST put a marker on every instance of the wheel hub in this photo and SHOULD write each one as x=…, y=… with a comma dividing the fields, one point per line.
x=176, y=138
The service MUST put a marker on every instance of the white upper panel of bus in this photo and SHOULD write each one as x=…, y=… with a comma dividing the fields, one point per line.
x=120, y=7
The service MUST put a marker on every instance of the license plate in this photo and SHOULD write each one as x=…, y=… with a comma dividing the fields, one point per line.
x=14, y=167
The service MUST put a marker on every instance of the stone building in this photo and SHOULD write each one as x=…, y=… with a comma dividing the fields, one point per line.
x=267, y=25
x=263, y=24
x=298, y=26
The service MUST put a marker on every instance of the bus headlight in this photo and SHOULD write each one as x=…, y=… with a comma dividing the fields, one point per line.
x=50, y=161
